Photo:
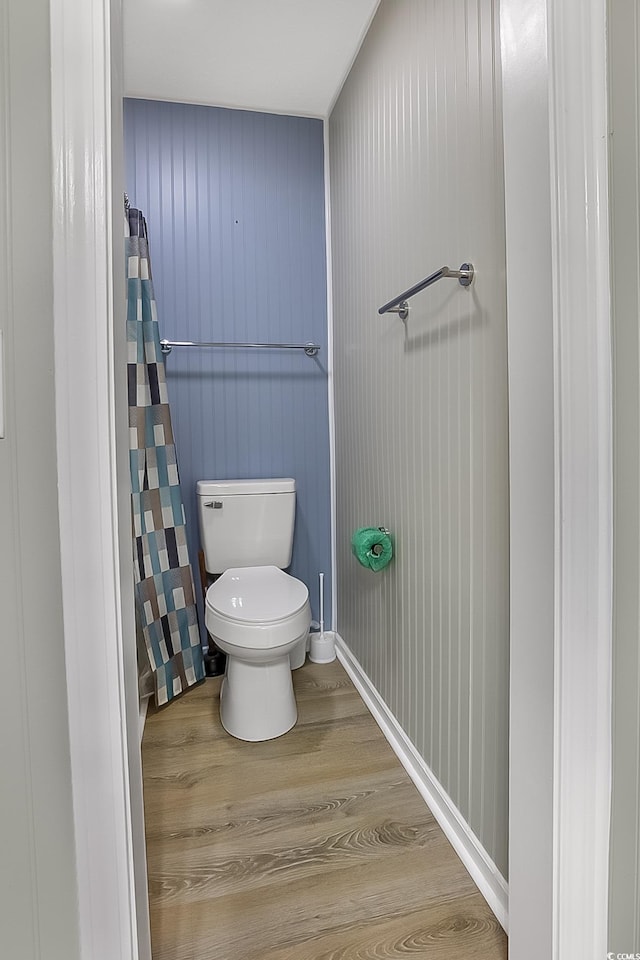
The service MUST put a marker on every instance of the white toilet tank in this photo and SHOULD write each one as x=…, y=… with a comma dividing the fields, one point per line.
x=246, y=523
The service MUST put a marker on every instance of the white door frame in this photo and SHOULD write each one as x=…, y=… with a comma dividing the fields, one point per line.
x=93, y=485
x=584, y=475
x=559, y=316
x=569, y=35
x=525, y=74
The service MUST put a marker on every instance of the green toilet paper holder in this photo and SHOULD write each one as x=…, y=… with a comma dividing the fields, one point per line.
x=372, y=547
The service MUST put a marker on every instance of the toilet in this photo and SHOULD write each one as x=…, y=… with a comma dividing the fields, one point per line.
x=254, y=611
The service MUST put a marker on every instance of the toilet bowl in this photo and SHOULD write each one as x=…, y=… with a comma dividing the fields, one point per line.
x=259, y=616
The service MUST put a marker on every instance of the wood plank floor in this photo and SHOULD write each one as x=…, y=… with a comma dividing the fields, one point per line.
x=315, y=846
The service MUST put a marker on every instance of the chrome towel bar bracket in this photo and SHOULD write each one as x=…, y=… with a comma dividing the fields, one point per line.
x=310, y=349
x=402, y=310
x=399, y=304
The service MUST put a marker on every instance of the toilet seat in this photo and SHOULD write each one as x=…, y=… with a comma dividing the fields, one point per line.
x=257, y=594
x=257, y=607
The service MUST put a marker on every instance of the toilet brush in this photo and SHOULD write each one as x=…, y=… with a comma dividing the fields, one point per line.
x=323, y=648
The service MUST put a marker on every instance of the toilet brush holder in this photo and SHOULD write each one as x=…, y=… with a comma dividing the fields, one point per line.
x=323, y=648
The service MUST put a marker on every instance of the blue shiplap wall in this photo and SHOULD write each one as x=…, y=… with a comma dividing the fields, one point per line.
x=234, y=203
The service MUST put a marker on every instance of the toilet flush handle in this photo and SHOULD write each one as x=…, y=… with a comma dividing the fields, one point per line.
x=214, y=504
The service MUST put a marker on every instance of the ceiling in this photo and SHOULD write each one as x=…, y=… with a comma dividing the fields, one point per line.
x=280, y=56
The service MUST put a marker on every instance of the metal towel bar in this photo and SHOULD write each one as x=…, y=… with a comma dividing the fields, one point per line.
x=399, y=304
x=311, y=349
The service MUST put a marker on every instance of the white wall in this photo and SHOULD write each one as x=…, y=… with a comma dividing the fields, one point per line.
x=38, y=906
x=624, y=894
x=421, y=410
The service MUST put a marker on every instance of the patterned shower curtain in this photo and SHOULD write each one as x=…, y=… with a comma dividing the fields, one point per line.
x=165, y=600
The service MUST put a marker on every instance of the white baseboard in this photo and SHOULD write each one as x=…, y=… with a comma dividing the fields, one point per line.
x=475, y=858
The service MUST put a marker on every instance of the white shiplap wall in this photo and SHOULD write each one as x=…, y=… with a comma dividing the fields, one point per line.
x=39, y=913
x=421, y=409
x=624, y=899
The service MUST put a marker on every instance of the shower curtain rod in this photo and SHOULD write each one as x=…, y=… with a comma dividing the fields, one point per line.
x=311, y=349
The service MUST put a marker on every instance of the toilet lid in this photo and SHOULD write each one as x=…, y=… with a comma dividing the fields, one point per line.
x=257, y=595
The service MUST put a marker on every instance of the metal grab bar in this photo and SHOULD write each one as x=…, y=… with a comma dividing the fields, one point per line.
x=311, y=349
x=399, y=304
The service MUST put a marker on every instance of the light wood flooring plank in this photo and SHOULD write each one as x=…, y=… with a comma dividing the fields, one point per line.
x=314, y=846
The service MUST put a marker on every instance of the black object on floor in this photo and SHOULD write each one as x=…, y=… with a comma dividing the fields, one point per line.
x=215, y=662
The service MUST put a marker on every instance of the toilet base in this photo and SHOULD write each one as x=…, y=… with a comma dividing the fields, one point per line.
x=256, y=699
